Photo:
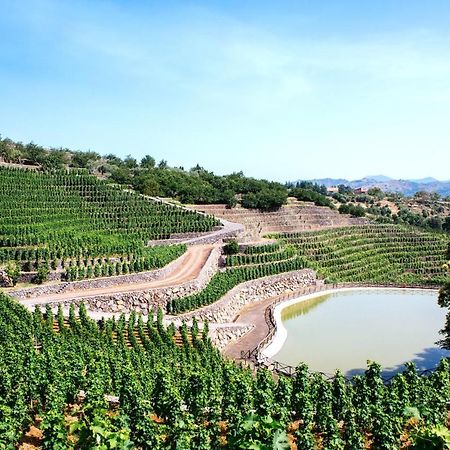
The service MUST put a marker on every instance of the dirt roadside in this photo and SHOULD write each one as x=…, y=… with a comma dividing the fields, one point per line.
x=193, y=262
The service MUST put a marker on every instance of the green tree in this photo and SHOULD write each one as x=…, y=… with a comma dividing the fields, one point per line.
x=446, y=225
x=42, y=274
x=121, y=175
x=9, y=151
x=148, y=162
x=34, y=153
x=130, y=162
x=13, y=271
x=82, y=159
x=265, y=199
x=435, y=223
x=231, y=248
x=146, y=183
x=55, y=159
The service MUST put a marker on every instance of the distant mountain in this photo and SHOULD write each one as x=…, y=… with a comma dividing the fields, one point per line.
x=387, y=184
x=378, y=178
x=426, y=180
x=328, y=182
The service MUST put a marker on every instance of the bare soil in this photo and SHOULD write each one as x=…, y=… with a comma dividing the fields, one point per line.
x=193, y=261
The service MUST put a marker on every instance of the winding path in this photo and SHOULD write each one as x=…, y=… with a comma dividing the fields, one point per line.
x=252, y=314
x=193, y=261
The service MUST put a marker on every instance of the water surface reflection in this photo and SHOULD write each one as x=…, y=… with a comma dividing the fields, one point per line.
x=345, y=329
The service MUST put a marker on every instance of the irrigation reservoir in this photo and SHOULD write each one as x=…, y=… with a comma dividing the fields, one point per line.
x=344, y=329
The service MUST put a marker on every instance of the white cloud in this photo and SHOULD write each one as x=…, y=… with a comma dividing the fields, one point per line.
x=221, y=83
x=198, y=50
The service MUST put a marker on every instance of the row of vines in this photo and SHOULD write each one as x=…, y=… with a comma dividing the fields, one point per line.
x=373, y=253
x=261, y=258
x=366, y=254
x=65, y=220
x=187, y=396
x=222, y=282
x=150, y=258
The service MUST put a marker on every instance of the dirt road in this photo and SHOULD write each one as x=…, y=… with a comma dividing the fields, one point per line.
x=253, y=314
x=194, y=259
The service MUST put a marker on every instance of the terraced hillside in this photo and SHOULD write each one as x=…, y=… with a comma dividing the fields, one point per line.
x=132, y=333
x=295, y=216
x=359, y=254
x=82, y=227
x=373, y=253
x=170, y=390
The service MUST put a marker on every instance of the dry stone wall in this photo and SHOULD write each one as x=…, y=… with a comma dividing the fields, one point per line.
x=227, y=231
x=226, y=309
x=222, y=336
x=293, y=217
x=145, y=302
x=29, y=277
x=104, y=282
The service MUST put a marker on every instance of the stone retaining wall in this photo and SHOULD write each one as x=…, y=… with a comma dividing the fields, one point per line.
x=226, y=309
x=226, y=233
x=222, y=336
x=54, y=275
x=228, y=230
x=93, y=283
x=145, y=302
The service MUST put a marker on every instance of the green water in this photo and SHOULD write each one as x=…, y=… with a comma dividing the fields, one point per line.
x=345, y=329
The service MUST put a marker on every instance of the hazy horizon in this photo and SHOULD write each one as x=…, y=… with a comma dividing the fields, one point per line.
x=285, y=91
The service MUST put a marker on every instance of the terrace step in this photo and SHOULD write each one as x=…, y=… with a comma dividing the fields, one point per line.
x=296, y=216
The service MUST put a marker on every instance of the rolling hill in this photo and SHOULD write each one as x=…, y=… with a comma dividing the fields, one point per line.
x=407, y=187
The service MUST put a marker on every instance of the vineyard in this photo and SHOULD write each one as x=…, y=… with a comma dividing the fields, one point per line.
x=366, y=254
x=172, y=388
x=82, y=227
x=261, y=257
x=186, y=396
x=222, y=282
x=373, y=253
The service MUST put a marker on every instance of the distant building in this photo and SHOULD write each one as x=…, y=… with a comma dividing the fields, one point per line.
x=332, y=189
x=361, y=190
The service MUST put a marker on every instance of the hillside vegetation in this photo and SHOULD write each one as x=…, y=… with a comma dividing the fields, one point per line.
x=187, y=396
x=373, y=254
x=424, y=209
x=73, y=222
x=195, y=185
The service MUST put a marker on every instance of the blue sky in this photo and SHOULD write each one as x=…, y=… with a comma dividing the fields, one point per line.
x=279, y=89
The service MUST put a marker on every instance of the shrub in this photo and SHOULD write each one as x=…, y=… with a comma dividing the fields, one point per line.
x=308, y=195
x=13, y=271
x=265, y=200
x=355, y=211
x=231, y=248
x=42, y=274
